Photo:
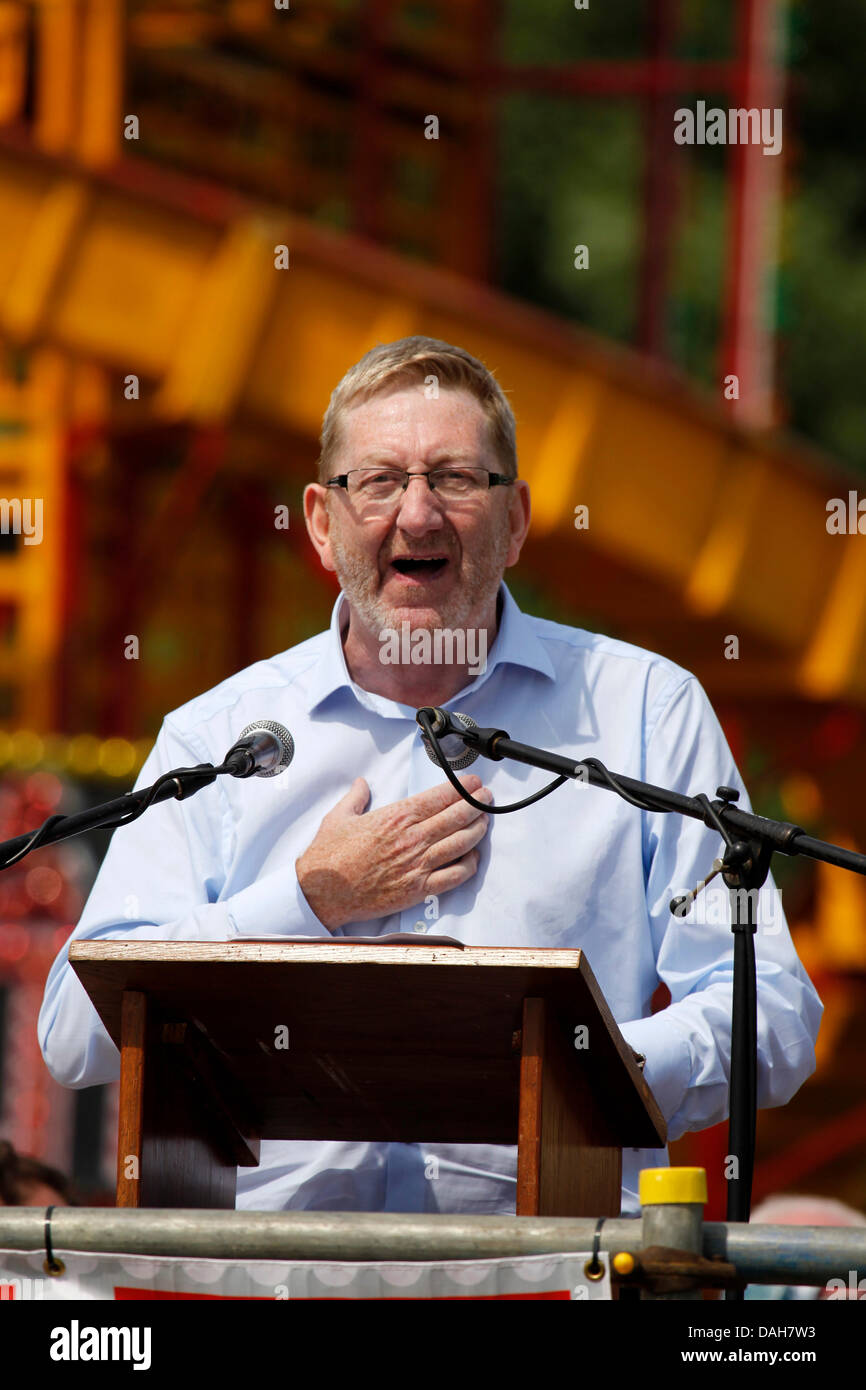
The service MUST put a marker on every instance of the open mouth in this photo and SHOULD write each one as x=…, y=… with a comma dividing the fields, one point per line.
x=417, y=566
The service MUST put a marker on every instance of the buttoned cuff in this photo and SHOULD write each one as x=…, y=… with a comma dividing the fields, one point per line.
x=273, y=906
x=668, y=1068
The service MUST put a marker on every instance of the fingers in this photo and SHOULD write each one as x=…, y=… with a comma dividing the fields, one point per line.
x=445, y=849
x=363, y=865
x=454, y=819
x=453, y=875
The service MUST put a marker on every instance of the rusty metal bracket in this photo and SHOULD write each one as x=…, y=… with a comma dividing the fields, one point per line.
x=662, y=1269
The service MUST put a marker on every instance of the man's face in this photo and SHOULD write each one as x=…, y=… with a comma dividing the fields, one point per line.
x=477, y=538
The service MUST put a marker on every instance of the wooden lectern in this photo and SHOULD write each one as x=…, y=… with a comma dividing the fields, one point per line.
x=223, y=1044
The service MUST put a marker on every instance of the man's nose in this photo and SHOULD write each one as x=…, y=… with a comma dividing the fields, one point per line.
x=418, y=508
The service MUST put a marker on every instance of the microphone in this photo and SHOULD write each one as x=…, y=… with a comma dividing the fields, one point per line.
x=264, y=749
x=454, y=750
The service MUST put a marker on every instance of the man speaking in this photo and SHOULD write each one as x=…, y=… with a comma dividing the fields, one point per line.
x=419, y=511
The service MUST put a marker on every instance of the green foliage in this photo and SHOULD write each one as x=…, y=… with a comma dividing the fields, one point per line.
x=568, y=178
x=823, y=350
x=549, y=31
x=571, y=171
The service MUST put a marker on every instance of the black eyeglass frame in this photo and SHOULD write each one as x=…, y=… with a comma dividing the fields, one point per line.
x=494, y=479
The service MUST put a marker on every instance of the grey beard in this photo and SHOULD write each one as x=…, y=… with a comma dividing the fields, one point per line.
x=471, y=600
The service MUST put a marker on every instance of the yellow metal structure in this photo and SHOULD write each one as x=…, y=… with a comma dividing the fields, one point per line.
x=651, y=510
x=713, y=526
x=32, y=507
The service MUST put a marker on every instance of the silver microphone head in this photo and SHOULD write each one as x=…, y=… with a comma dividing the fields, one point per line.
x=457, y=755
x=274, y=751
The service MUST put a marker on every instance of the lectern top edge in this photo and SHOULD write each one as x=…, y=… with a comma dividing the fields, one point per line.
x=338, y=952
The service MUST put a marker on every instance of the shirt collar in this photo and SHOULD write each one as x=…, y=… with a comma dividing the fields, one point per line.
x=516, y=642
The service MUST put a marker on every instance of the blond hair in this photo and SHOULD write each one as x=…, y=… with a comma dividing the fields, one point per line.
x=413, y=360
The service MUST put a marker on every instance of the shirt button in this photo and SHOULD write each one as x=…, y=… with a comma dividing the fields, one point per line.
x=420, y=926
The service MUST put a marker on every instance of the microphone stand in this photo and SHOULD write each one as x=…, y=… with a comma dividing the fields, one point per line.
x=750, y=842
x=179, y=784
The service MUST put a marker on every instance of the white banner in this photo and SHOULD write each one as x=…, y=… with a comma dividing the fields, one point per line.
x=90, y=1277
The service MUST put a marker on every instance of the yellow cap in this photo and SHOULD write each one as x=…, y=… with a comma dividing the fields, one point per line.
x=662, y=1185
x=623, y=1262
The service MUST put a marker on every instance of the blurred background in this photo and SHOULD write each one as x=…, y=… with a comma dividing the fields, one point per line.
x=432, y=166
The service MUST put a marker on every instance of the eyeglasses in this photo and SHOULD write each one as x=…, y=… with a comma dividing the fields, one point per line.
x=376, y=489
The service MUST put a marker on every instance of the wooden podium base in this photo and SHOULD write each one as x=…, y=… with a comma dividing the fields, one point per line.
x=567, y=1162
x=226, y=1044
x=179, y=1142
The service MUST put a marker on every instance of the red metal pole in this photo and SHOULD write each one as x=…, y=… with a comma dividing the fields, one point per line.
x=370, y=147
x=603, y=78
x=140, y=577
x=755, y=181
x=478, y=212
x=244, y=516
x=659, y=193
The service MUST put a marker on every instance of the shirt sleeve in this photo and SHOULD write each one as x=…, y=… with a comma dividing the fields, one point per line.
x=161, y=880
x=688, y=1044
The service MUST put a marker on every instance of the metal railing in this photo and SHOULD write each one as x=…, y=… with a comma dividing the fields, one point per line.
x=674, y=1254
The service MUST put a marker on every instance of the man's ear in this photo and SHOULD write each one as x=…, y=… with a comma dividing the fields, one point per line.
x=519, y=517
x=318, y=522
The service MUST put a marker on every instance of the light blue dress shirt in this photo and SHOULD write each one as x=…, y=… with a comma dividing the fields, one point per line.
x=580, y=868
